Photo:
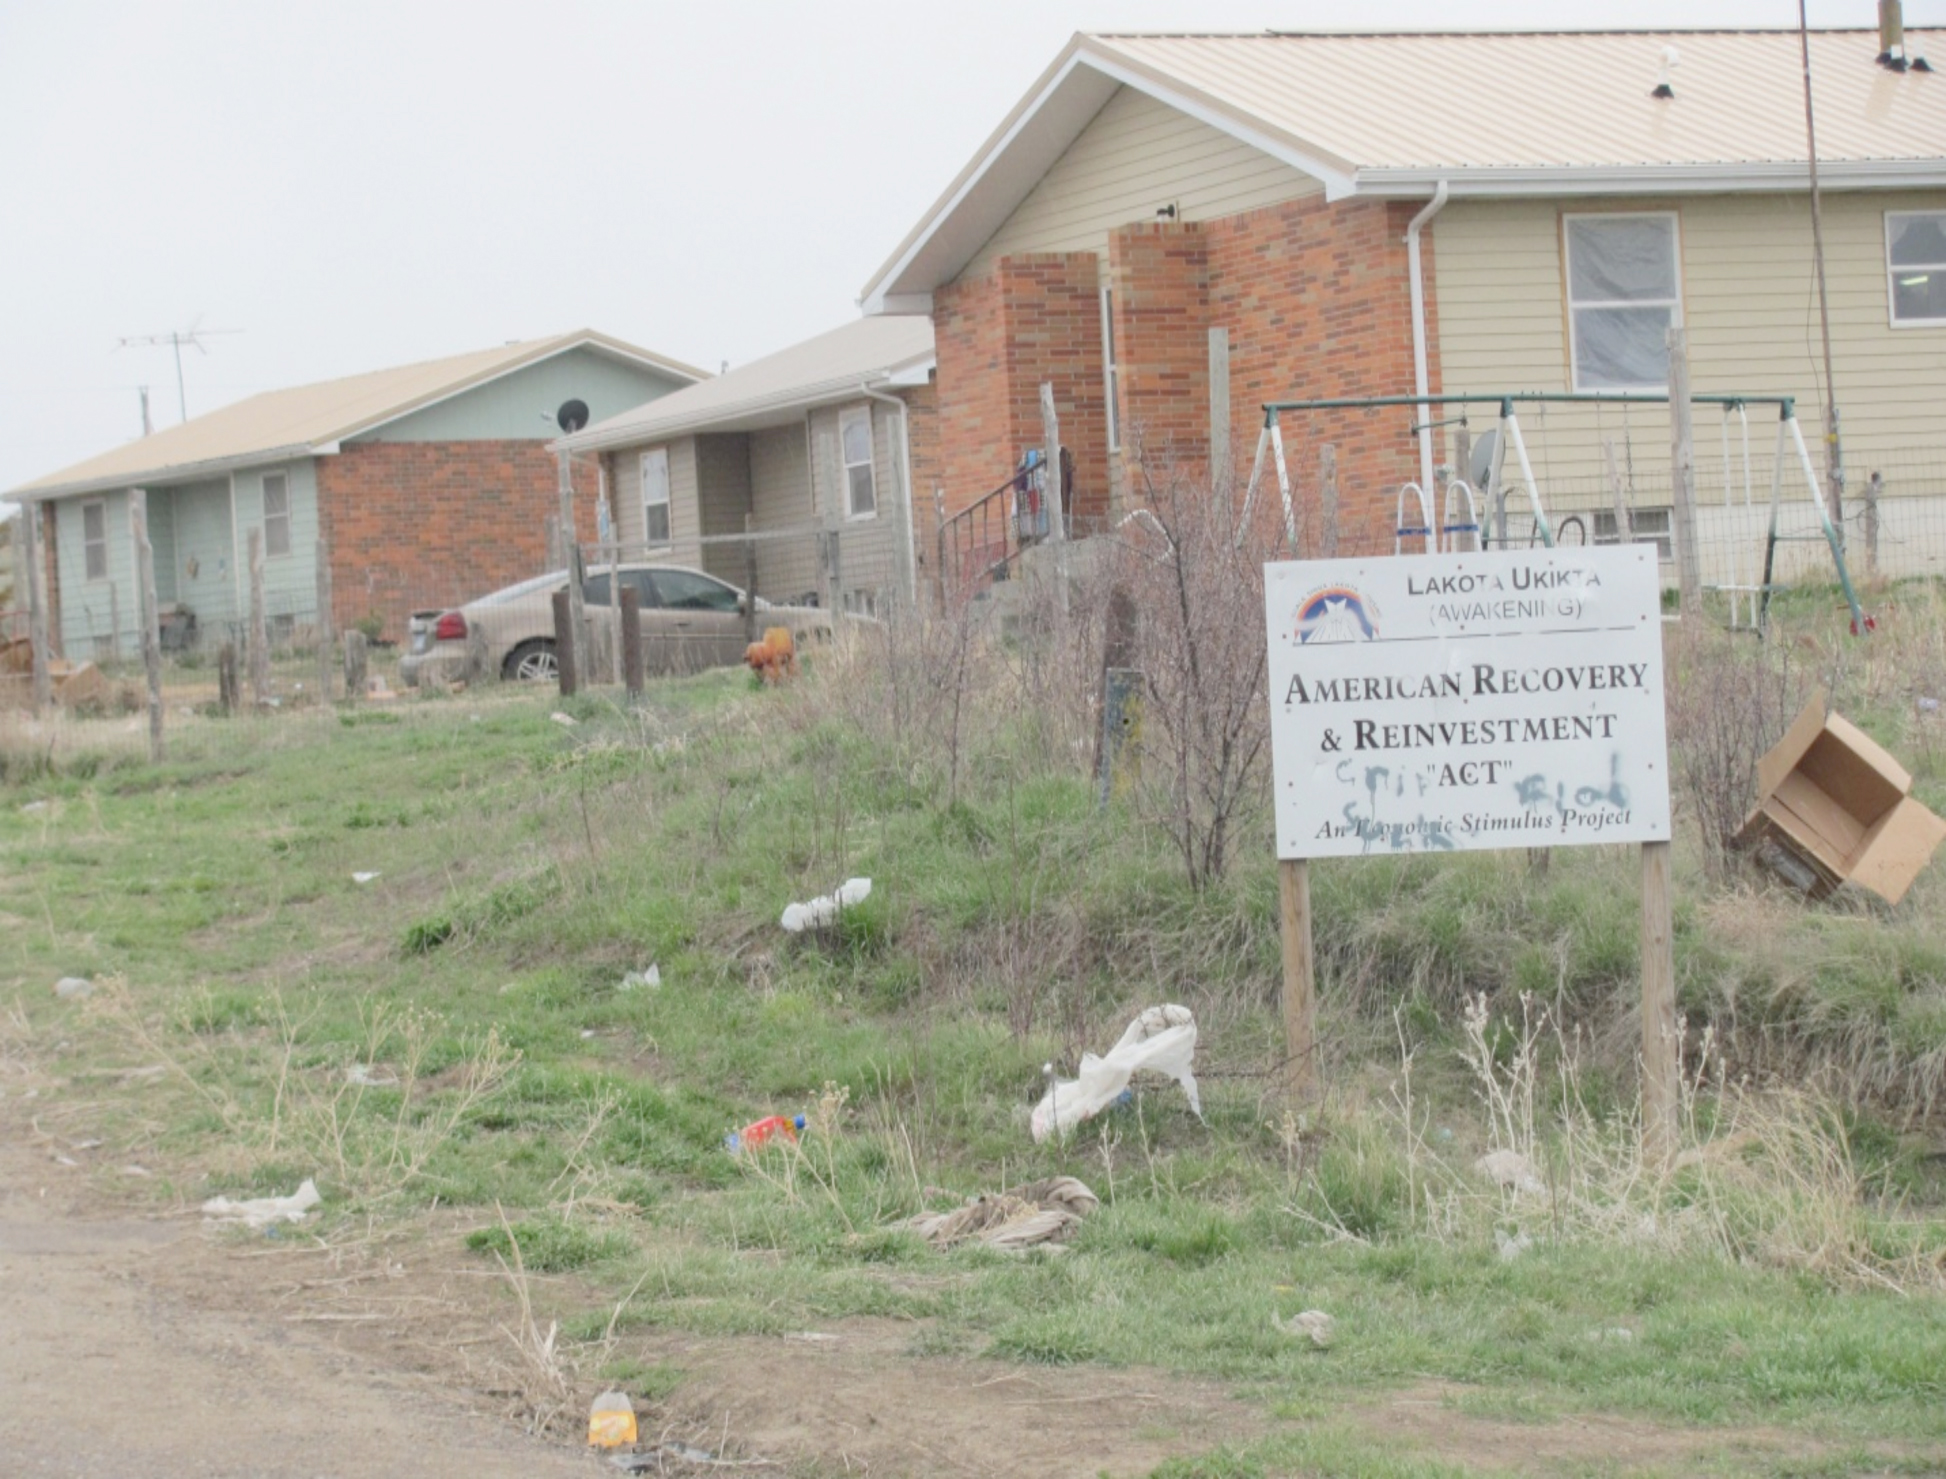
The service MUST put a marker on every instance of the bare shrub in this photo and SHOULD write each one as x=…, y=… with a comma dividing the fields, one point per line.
x=1198, y=591
x=1729, y=698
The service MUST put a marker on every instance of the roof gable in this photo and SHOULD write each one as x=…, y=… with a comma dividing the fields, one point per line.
x=1521, y=113
x=308, y=419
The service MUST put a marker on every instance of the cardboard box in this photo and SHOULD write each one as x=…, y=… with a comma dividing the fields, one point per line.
x=1833, y=808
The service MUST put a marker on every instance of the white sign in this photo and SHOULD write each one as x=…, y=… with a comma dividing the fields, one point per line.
x=1443, y=702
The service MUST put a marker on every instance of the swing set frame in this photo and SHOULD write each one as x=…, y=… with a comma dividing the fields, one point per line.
x=1493, y=527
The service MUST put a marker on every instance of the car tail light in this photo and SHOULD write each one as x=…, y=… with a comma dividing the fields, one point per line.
x=451, y=628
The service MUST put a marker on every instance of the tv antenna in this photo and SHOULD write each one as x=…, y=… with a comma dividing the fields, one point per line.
x=175, y=339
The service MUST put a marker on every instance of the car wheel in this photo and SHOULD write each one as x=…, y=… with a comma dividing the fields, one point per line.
x=531, y=662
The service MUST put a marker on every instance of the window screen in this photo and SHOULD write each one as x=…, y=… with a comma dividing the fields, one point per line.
x=94, y=539
x=1623, y=297
x=855, y=433
x=277, y=514
x=1915, y=263
x=655, y=496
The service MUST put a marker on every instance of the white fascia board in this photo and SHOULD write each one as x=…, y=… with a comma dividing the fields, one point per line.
x=916, y=373
x=888, y=284
x=889, y=287
x=718, y=418
x=894, y=304
x=1652, y=179
x=165, y=477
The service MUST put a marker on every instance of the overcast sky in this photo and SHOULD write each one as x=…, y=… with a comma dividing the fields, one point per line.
x=370, y=182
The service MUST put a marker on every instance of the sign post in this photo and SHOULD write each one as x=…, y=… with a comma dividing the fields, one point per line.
x=1459, y=702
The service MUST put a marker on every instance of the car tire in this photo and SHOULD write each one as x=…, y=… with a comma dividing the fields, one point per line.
x=531, y=662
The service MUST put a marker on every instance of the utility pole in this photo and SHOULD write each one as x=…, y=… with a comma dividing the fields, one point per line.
x=148, y=427
x=1834, y=457
x=175, y=339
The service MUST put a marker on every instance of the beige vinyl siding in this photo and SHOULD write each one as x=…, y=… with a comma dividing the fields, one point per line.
x=723, y=473
x=684, y=518
x=780, y=498
x=1750, y=310
x=867, y=553
x=1136, y=156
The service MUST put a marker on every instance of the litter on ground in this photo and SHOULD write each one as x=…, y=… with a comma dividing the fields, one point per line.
x=73, y=988
x=1510, y=1171
x=821, y=911
x=1041, y=1213
x=1161, y=1040
x=1315, y=1324
x=262, y=1212
x=648, y=980
x=365, y=877
x=365, y=1076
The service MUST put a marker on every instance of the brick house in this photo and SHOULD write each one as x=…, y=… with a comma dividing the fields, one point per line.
x=431, y=482
x=1367, y=215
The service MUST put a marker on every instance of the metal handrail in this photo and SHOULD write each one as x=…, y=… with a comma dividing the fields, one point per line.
x=972, y=530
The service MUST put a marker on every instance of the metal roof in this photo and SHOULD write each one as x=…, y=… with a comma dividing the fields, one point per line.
x=778, y=388
x=308, y=419
x=1490, y=113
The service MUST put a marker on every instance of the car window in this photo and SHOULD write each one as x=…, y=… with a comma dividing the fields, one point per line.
x=644, y=587
x=685, y=590
x=594, y=590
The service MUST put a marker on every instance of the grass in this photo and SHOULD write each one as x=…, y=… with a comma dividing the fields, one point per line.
x=476, y=987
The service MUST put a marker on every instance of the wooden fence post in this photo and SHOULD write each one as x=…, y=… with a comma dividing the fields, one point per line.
x=327, y=639
x=631, y=625
x=354, y=665
x=564, y=635
x=115, y=623
x=1660, y=1097
x=30, y=524
x=226, y=679
x=259, y=648
x=1300, y=977
x=1682, y=478
x=144, y=555
x=615, y=605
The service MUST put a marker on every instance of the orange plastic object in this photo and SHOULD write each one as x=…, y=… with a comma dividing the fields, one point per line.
x=611, y=1421
x=751, y=1136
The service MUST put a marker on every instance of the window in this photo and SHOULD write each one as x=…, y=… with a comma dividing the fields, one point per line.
x=1651, y=525
x=861, y=602
x=655, y=497
x=1624, y=294
x=1108, y=368
x=277, y=514
x=1915, y=266
x=94, y=540
x=855, y=441
x=685, y=590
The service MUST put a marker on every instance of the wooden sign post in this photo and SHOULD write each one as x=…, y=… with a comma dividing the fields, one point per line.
x=1471, y=701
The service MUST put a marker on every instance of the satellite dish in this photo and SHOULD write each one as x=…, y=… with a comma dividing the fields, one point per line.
x=572, y=416
x=1480, y=465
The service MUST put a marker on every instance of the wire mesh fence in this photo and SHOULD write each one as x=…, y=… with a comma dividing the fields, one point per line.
x=293, y=650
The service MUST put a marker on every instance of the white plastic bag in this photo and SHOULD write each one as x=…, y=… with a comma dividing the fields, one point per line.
x=262, y=1212
x=824, y=910
x=1161, y=1039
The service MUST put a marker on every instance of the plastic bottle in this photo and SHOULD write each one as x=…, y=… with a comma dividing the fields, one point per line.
x=755, y=1134
x=611, y=1421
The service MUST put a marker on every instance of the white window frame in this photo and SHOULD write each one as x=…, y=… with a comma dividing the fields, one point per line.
x=1892, y=274
x=1655, y=525
x=848, y=418
x=271, y=551
x=1109, y=372
x=666, y=503
x=1674, y=304
x=91, y=548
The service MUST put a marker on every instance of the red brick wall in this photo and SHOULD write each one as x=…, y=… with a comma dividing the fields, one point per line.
x=1317, y=303
x=1033, y=318
x=415, y=525
x=1160, y=276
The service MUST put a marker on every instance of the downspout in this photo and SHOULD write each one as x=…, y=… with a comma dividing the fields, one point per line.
x=905, y=479
x=1419, y=373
